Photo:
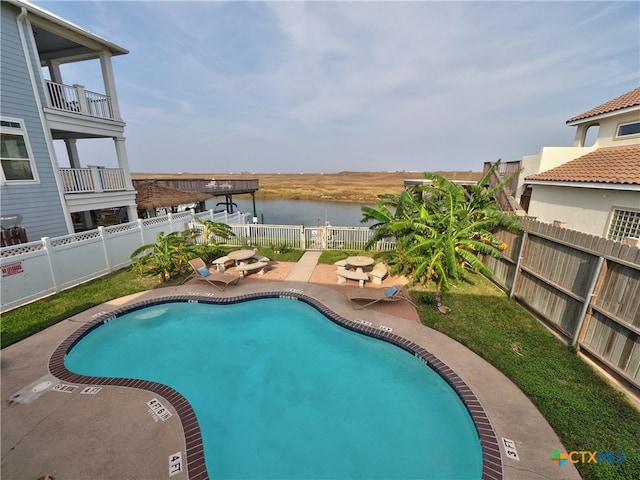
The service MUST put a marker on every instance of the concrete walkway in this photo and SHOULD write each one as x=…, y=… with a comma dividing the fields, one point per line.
x=301, y=272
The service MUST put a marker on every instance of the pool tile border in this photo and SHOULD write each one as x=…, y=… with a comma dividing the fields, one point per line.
x=492, y=468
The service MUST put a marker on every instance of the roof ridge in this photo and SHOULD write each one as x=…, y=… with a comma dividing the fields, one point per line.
x=626, y=100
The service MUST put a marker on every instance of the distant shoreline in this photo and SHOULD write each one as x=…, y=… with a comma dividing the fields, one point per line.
x=357, y=187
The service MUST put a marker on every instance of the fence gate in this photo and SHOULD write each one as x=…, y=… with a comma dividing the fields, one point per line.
x=315, y=238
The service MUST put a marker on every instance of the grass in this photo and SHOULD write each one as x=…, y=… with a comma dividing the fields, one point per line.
x=328, y=257
x=583, y=409
x=24, y=321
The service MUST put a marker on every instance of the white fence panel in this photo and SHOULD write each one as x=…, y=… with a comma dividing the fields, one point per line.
x=77, y=258
x=26, y=277
x=33, y=270
x=119, y=242
x=151, y=227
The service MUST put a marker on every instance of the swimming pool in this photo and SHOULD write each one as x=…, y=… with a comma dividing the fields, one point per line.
x=281, y=392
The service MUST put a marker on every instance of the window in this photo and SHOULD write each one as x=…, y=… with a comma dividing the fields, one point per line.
x=629, y=129
x=15, y=152
x=624, y=223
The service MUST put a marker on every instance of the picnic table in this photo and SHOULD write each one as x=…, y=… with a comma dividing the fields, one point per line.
x=359, y=262
x=241, y=255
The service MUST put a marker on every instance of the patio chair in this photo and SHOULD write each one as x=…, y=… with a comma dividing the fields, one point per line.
x=372, y=296
x=218, y=280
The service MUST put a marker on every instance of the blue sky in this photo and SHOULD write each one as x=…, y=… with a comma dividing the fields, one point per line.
x=267, y=87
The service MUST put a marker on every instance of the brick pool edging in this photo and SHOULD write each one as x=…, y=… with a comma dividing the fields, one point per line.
x=195, y=460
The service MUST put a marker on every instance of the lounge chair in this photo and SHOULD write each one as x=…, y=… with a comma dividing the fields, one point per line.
x=218, y=280
x=371, y=296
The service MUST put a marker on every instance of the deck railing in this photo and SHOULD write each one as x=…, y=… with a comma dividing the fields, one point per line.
x=75, y=99
x=92, y=180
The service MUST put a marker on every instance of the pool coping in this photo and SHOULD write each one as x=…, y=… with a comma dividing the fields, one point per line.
x=492, y=467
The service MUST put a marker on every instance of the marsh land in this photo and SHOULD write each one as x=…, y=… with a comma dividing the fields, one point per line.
x=361, y=187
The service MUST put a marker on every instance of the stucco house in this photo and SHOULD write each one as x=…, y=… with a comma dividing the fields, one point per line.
x=593, y=189
x=47, y=195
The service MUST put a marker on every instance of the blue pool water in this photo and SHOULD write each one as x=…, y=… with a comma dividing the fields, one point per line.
x=282, y=392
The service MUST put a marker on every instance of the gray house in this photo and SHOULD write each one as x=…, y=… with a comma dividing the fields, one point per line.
x=43, y=192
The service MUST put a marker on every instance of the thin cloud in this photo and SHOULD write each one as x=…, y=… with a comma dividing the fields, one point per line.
x=310, y=86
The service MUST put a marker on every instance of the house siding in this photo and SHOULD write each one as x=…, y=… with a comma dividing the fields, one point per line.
x=39, y=203
x=587, y=210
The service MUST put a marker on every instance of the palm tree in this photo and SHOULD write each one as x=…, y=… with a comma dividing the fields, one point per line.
x=440, y=228
x=166, y=257
x=214, y=230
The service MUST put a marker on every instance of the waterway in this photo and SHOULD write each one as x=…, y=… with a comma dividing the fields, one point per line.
x=298, y=212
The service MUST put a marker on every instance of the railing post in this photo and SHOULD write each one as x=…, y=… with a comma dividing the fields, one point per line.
x=82, y=98
x=95, y=178
x=303, y=245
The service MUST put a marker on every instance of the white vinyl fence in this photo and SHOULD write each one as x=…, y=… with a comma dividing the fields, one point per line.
x=34, y=270
x=305, y=238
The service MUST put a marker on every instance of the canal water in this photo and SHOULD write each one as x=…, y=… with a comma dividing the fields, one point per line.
x=298, y=212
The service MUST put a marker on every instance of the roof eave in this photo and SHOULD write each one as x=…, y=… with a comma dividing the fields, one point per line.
x=51, y=17
x=601, y=116
x=633, y=187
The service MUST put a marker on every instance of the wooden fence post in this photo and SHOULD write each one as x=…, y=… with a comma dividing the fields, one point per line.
x=512, y=290
x=587, y=300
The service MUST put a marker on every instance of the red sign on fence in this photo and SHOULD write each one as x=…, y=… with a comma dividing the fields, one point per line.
x=11, y=269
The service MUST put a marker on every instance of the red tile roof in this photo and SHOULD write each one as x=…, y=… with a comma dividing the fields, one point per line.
x=619, y=165
x=629, y=99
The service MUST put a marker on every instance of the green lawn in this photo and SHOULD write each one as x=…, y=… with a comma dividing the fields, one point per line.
x=583, y=409
x=586, y=413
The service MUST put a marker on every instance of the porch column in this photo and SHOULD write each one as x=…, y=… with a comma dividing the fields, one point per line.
x=123, y=160
x=54, y=71
x=110, y=84
x=132, y=213
x=72, y=152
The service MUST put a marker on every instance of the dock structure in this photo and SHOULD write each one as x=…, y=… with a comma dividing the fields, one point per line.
x=215, y=188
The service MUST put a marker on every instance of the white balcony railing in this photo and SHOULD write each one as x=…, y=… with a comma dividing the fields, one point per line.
x=76, y=99
x=92, y=180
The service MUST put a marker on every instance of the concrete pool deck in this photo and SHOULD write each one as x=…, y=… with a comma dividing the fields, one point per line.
x=115, y=434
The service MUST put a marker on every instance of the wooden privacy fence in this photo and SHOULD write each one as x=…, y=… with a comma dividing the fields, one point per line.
x=586, y=287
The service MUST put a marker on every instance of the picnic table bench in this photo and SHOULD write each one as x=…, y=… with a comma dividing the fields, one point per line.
x=222, y=263
x=344, y=275
x=246, y=268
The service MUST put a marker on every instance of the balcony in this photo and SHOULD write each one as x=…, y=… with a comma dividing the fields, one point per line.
x=75, y=99
x=93, y=180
